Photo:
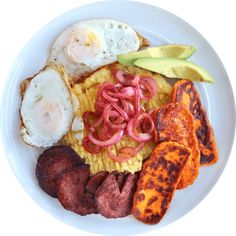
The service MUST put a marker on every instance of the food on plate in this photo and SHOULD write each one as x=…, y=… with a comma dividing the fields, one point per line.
x=51, y=163
x=158, y=180
x=46, y=110
x=169, y=50
x=175, y=68
x=88, y=45
x=118, y=138
x=175, y=123
x=62, y=174
x=185, y=93
x=86, y=92
x=114, y=201
x=120, y=178
x=72, y=193
x=95, y=181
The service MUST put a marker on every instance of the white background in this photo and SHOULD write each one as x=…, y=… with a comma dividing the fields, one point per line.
x=20, y=20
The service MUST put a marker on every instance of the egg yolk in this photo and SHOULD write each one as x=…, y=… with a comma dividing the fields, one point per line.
x=49, y=115
x=83, y=45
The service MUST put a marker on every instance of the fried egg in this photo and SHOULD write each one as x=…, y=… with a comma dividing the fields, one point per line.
x=88, y=45
x=47, y=108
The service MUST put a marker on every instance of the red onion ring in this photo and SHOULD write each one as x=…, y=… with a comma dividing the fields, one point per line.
x=123, y=77
x=139, y=147
x=128, y=107
x=135, y=81
x=126, y=78
x=125, y=153
x=125, y=92
x=137, y=100
x=109, y=98
x=147, y=84
x=98, y=122
x=129, y=91
x=113, y=140
x=108, y=113
x=132, y=132
x=118, y=110
x=120, y=157
x=90, y=147
x=121, y=111
x=89, y=118
x=141, y=117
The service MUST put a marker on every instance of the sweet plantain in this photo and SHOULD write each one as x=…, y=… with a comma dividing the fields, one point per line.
x=158, y=181
x=175, y=123
x=185, y=93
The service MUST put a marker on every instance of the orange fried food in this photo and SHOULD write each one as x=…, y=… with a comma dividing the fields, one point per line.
x=185, y=93
x=175, y=123
x=158, y=181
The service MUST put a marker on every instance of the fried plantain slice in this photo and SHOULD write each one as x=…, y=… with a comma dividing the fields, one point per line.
x=158, y=181
x=175, y=123
x=185, y=93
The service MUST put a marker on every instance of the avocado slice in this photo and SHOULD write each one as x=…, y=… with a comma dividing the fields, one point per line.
x=170, y=50
x=175, y=68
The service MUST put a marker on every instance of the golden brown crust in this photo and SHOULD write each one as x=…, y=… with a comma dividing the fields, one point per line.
x=24, y=84
x=143, y=41
x=158, y=180
x=175, y=123
x=185, y=93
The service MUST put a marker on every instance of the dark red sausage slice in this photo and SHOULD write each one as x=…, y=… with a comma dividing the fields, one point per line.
x=71, y=191
x=95, y=182
x=120, y=178
x=51, y=163
x=113, y=203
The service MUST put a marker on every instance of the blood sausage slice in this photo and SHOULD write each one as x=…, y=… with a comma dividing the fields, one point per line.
x=113, y=203
x=51, y=163
x=120, y=178
x=175, y=123
x=71, y=191
x=185, y=93
x=95, y=182
x=158, y=181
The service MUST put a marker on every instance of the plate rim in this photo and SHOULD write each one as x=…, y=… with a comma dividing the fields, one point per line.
x=138, y=4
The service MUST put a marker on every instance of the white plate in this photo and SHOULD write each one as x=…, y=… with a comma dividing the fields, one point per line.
x=160, y=27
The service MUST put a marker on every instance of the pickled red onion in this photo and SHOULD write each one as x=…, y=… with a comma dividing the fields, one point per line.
x=113, y=140
x=118, y=110
x=147, y=85
x=134, y=124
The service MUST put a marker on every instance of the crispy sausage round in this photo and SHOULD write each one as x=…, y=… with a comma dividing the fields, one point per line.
x=95, y=181
x=120, y=178
x=113, y=203
x=51, y=163
x=71, y=191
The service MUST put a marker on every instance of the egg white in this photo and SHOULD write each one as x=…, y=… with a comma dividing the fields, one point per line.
x=47, y=110
x=88, y=45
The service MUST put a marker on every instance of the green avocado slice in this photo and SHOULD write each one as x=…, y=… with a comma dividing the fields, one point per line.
x=175, y=68
x=170, y=50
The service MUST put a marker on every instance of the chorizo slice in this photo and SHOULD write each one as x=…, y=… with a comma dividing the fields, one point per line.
x=51, y=163
x=158, y=180
x=113, y=203
x=185, y=93
x=72, y=193
x=175, y=123
x=95, y=181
